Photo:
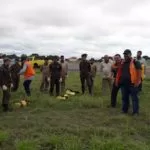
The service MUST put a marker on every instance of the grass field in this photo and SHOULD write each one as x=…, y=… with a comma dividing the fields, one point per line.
x=79, y=123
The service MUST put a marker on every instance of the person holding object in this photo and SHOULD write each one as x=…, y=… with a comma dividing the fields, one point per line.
x=45, y=76
x=129, y=78
x=29, y=74
x=14, y=69
x=64, y=72
x=55, y=71
x=105, y=68
x=6, y=84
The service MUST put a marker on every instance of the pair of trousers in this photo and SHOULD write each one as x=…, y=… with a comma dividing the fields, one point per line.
x=55, y=82
x=133, y=92
x=44, y=84
x=86, y=79
x=15, y=83
x=114, y=93
x=106, y=86
x=63, y=84
x=26, y=85
x=6, y=97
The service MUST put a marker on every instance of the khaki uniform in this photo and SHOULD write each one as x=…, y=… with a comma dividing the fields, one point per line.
x=45, y=76
x=63, y=75
x=5, y=79
x=15, y=69
x=93, y=74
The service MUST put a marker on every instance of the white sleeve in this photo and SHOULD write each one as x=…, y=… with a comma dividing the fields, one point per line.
x=23, y=70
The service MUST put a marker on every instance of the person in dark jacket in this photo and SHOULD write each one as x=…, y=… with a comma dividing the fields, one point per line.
x=5, y=83
x=85, y=74
x=55, y=76
x=14, y=69
x=115, y=88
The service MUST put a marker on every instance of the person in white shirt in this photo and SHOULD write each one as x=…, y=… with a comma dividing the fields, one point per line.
x=105, y=69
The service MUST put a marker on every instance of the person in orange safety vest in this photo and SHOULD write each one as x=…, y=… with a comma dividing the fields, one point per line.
x=28, y=73
x=129, y=78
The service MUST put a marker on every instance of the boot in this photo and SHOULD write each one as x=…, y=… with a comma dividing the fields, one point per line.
x=6, y=108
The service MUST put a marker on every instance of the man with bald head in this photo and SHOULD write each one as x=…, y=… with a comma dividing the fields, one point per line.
x=105, y=69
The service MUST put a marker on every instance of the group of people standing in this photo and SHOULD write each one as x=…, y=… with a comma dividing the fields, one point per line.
x=126, y=74
x=10, y=78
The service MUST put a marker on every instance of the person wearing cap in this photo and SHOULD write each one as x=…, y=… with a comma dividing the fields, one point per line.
x=143, y=65
x=45, y=76
x=115, y=89
x=105, y=69
x=129, y=78
x=28, y=73
x=6, y=84
x=14, y=69
x=85, y=74
x=93, y=71
x=55, y=71
x=64, y=72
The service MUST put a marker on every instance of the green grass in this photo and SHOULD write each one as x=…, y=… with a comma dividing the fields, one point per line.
x=79, y=123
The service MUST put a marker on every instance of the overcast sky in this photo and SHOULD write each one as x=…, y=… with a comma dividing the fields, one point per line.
x=72, y=27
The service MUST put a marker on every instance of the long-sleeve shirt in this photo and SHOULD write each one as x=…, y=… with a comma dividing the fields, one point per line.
x=64, y=69
x=55, y=70
x=5, y=77
x=105, y=68
x=85, y=68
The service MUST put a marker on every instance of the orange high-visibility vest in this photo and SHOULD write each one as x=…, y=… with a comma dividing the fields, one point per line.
x=29, y=71
x=133, y=72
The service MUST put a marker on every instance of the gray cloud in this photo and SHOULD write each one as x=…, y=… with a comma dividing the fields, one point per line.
x=72, y=27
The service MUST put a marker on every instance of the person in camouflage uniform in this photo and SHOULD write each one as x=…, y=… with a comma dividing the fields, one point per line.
x=14, y=69
x=93, y=72
x=5, y=83
x=64, y=73
x=45, y=76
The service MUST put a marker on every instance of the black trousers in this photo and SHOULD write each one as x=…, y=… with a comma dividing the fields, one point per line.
x=15, y=83
x=26, y=85
x=6, y=97
x=54, y=82
x=114, y=94
x=88, y=80
x=140, y=86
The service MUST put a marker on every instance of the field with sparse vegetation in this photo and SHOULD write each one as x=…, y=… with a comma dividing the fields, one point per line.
x=78, y=123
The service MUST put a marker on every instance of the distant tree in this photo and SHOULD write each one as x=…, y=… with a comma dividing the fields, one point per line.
x=146, y=57
x=34, y=54
x=13, y=56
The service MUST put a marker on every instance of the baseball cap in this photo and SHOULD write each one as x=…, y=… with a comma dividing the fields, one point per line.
x=84, y=55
